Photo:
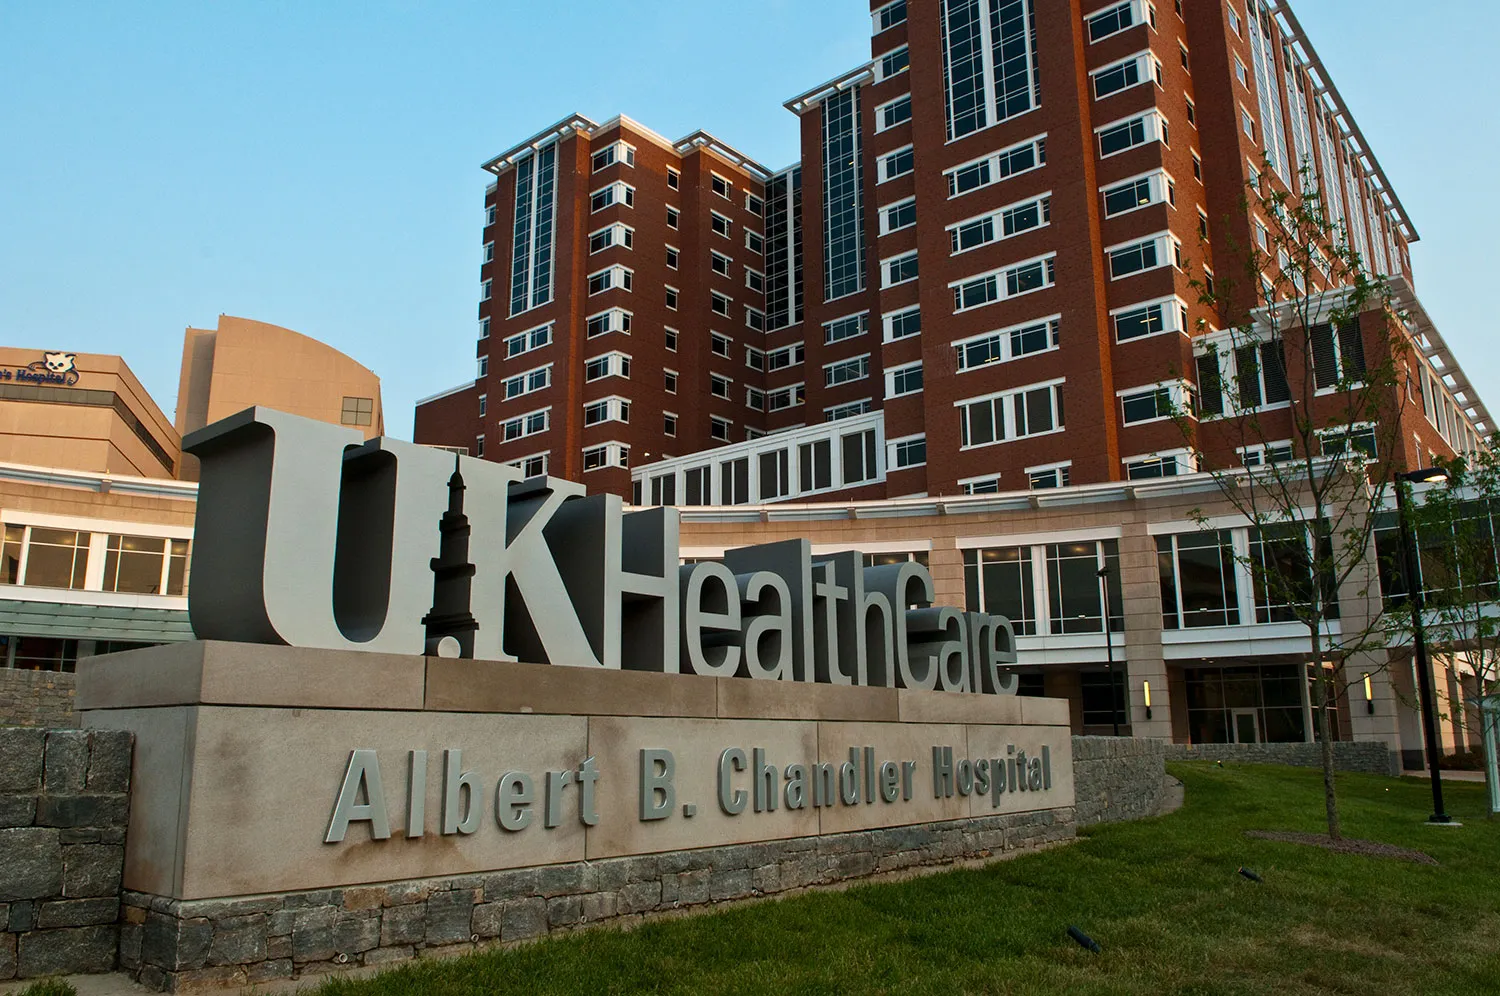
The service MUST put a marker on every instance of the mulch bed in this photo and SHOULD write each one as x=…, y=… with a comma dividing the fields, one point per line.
x=1368, y=848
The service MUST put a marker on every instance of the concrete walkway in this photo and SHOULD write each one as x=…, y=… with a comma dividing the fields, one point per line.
x=1450, y=776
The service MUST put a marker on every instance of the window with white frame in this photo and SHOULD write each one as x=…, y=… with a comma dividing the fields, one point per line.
x=892, y=113
x=784, y=356
x=755, y=242
x=846, y=371
x=720, y=344
x=993, y=226
x=484, y=366
x=484, y=327
x=755, y=399
x=897, y=60
x=484, y=289
x=1338, y=355
x=755, y=359
x=990, y=63
x=898, y=269
x=526, y=425
x=848, y=409
x=528, y=382
x=487, y=253
x=1251, y=375
x=721, y=185
x=755, y=319
x=859, y=456
x=1247, y=123
x=613, y=320
x=674, y=178
x=1128, y=133
x=674, y=217
x=1112, y=20
x=489, y=216
x=1155, y=187
x=790, y=396
x=618, y=192
x=1014, y=414
x=612, y=409
x=1003, y=345
x=669, y=423
x=613, y=278
x=1013, y=160
x=719, y=263
x=671, y=297
x=1120, y=76
x=484, y=405
x=606, y=455
x=903, y=323
x=614, y=364
x=719, y=428
x=889, y=16
x=534, y=465
x=1051, y=475
x=1241, y=73
x=719, y=385
x=903, y=380
x=775, y=477
x=1264, y=454
x=669, y=381
x=1005, y=283
x=719, y=304
x=1198, y=579
x=615, y=152
x=846, y=328
x=479, y=445
x=1345, y=442
x=755, y=205
x=1234, y=20
x=720, y=224
x=894, y=164
x=524, y=342
x=894, y=217
x=1153, y=402
x=618, y=234
x=907, y=451
x=1148, y=254
x=755, y=280
x=1166, y=464
x=674, y=256
x=1137, y=321
x=980, y=485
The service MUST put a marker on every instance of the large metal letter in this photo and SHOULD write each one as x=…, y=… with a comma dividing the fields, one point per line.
x=362, y=773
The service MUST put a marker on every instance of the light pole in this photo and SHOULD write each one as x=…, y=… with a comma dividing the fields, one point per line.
x=1109, y=648
x=1419, y=641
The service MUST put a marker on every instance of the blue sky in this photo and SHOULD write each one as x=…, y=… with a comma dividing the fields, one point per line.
x=316, y=165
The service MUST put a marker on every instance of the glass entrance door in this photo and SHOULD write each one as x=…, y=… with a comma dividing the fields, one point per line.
x=1246, y=729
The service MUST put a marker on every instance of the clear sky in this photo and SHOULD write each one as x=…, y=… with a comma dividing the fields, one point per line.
x=316, y=165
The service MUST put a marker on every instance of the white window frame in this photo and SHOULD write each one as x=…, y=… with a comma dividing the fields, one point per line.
x=879, y=62
x=614, y=454
x=528, y=340
x=1003, y=336
x=623, y=196
x=860, y=364
x=1161, y=185
x=1179, y=392
x=1138, y=11
x=883, y=110
x=893, y=448
x=1148, y=69
x=844, y=318
x=1042, y=202
x=888, y=266
x=1185, y=459
x=1000, y=274
x=888, y=209
x=883, y=162
x=891, y=373
x=621, y=277
x=728, y=224
x=524, y=421
x=617, y=364
x=616, y=409
x=1172, y=309
x=622, y=236
x=614, y=149
x=1155, y=127
x=1167, y=249
x=888, y=323
x=1006, y=400
x=542, y=375
x=1039, y=159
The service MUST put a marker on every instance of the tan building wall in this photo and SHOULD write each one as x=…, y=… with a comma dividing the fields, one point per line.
x=244, y=363
x=86, y=411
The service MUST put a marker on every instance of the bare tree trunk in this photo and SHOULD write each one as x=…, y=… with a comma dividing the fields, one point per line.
x=1330, y=799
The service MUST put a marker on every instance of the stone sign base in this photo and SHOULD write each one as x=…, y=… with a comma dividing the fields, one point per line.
x=182, y=945
x=278, y=793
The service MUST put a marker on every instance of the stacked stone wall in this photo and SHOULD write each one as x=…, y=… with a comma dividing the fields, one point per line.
x=1118, y=778
x=64, y=800
x=188, y=944
x=1372, y=757
x=37, y=698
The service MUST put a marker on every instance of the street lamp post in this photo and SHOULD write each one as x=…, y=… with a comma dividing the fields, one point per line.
x=1109, y=648
x=1419, y=641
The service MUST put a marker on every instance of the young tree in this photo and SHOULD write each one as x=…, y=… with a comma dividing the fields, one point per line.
x=1297, y=417
x=1455, y=523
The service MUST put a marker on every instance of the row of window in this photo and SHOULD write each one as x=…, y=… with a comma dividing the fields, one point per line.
x=82, y=561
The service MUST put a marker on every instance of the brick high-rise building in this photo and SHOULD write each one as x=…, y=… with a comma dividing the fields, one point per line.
x=978, y=277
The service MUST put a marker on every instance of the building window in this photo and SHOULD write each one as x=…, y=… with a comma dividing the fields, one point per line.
x=608, y=365
x=721, y=186
x=669, y=423
x=1136, y=257
x=669, y=339
x=720, y=344
x=899, y=270
x=1338, y=355
x=484, y=289
x=896, y=61
x=1197, y=168
x=618, y=192
x=894, y=164
x=1022, y=278
x=674, y=178
x=889, y=16
x=1052, y=476
x=484, y=366
x=755, y=205
x=719, y=303
x=523, y=342
x=843, y=208
x=980, y=486
x=902, y=380
x=1153, y=318
x=1234, y=21
x=1343, y=442
x=719, y=263
x=755, y=242
x=846, y=371
x=479, y=445
x=846, y=328
x=784, y=356
x=613, y=320
x=908, y=452
x=614, y=278
x=755, y=399
x=1001, y=581
x=531, y=243
x=755, y=280
x=787, y=397
x=1011, y=161
x=483, y=404
x=718, y=428
x=532, y=466
x=615, y=152
x=1192, y=112
x=894, y=217
x=1008, y=343
x=484, y=327
x=1197, y=572
x=673, y=216
x=606, y=410
x=848, y=410
x=988, y=83
x=669, y=381
x=1153, y=188
x=607, y=455
x=1122, y=135
x=718, y=385
x=489, y=215
x=357, y=411
x=755, y=319
x=1113, y=20
x=1010, y=220
x=1148, y=405
x=1157, y=465
x=1073, y=600
x=526, y=425
x=900, y=324
x=858, y=452
x=145, y=565
x=488, y=253
x=720, y=224
x=607, y=238
x=995, y=418
x=1137, y=69
x=528, y=382
x=889, y=115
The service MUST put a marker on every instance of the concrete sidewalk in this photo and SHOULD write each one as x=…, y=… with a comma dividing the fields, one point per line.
x=1450, y=776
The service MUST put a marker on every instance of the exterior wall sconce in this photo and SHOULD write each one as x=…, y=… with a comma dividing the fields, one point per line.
x=1146, y=693
x=1369, y=695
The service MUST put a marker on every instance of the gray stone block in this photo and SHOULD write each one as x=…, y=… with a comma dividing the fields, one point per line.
x=7, y=956
x=175, y=945
x=21, y=917
x=448, y=917
x=692, y=886
x=21, y=754
x=766, y=878
x=280, y=924
x=279, y=947
x=403, y=925
x=523, y=918
x=92, y=869
x=640, y=897
x=81, y=811
x=611, y=875
x=109, y=761
x=486, y=920
x=17, y=810
x=69, y=951
x=77, y=912
x=731, y=883
x=564, y=911
x=405, y=893
x=67, y=762
x=239, y=940
x=312, y=934
x=356, y=932
x=32, y=868
x=384, y=955
x=510, y=884
x=269, y=970
x=564, y=880
x=600, y=906
x=130, y=945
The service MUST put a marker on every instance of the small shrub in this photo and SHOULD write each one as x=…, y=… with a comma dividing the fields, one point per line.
x=49, y=987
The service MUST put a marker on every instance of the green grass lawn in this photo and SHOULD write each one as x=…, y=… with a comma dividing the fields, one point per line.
x=1162, y=896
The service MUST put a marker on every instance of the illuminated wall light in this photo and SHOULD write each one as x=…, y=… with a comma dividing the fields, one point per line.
x=1369, y=695
x=1146, y=694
